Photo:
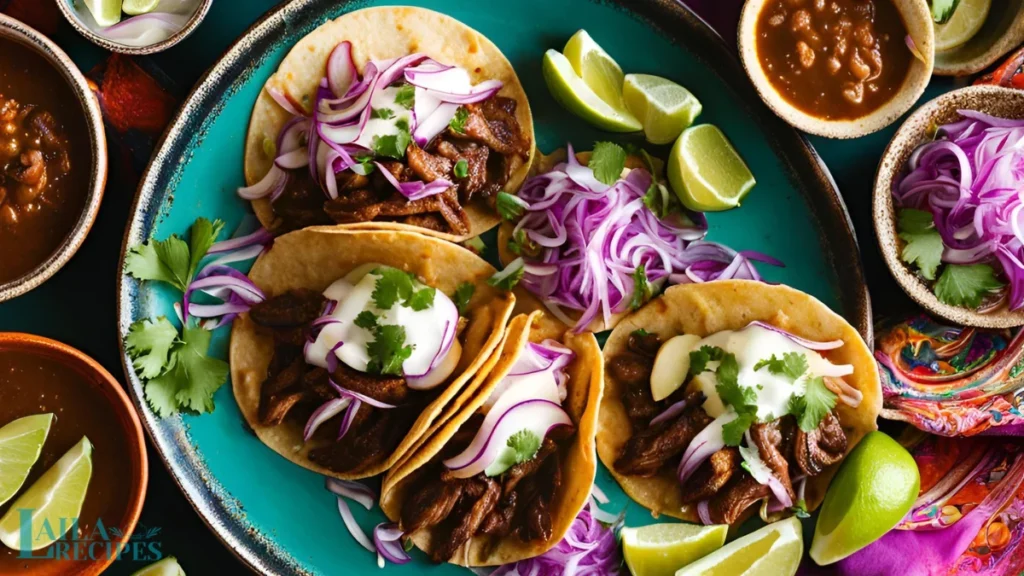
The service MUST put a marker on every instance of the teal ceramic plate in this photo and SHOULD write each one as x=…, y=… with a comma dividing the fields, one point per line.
x=276, y=516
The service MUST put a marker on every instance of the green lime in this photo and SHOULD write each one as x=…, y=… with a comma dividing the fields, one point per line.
x=963, y=25
x=21, y=442
x=104, y=12
x=597, y=69
x=166, y=567
x=55, y=497
x=664, y=107
x=661, y=549
x=572, y=92
x=706, y=172
x=774, y=550
x=136, y=7
x=873, y=490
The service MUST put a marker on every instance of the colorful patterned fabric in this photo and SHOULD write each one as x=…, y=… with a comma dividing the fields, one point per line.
x=952, y=381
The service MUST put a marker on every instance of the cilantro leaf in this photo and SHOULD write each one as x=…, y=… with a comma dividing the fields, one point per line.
x=741, y=398
x=366, y=320
x=461, y=169
x=800, y=509
x=510, y=207
x=816, y=402
x=382, y=113
x=421, y=299
x=508, y=278
x=640, y=332
x=160, y=260
x=923, y=250
x=388, y=350
x=520, y=244
x=463, y=294
x=520, y=447
x=201, y=236
x=656, y=199
x=915, y=221
x=149, y=345
x=607, y=161
x=393, y=285
x=966, y=285
x=793, y=365
x=699, y=358
x=641, y=288
x=192, y=378
x=406, y=96
x=458, y=123
x=393, y=145
x=732, y=432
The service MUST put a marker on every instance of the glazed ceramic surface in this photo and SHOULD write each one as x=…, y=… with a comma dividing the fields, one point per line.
x=277, y=517
x=915, y=130
x=1003, y=31
x=73, y=12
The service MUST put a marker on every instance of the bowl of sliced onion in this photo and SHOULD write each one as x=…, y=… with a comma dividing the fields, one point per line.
x=135, y=27
x=948, y=207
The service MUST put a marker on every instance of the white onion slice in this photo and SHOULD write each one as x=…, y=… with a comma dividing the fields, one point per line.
x=353, y=526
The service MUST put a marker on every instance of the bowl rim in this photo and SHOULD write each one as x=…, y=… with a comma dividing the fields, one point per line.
x=914, y=84
x=197, y=18
x=17, y=31
x=1000, y=46
x=884, y=210
x=111, y=390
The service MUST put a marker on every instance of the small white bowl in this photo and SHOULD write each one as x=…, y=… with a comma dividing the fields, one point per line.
x=73, y=12
x=916, y=17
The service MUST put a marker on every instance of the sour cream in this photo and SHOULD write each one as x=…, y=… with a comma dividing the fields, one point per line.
x=376, y=127
x=427, y=331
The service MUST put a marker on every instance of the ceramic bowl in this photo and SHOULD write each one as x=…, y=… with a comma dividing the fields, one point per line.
x=15, y=30
x=107, y=390
x=76, y=13
x=916, y=17
x=1003, y=31
x=993, y=100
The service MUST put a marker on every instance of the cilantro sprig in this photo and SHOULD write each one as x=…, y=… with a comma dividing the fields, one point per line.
x=966, y=284
x=458, y=122
x=607, y=161
x=642, y=289
x=811, y=408
x=393, y=145
x=388, y=350
x=463, y=294
x=520, y=447
x=396, y=286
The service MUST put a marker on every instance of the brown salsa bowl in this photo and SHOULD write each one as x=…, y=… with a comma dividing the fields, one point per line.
x=89, y=159
x=880, y=107
x=39, y=375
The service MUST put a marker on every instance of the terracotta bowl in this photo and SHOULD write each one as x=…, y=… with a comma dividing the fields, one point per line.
x=72, y=10
x=15, y=30
x=1003, y=31
x=992, y=100
x=916, y=17
x=107, y=391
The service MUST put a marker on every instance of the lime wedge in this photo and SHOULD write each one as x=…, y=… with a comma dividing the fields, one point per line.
x=873, y=490
x=706, y=172
x=572, y=92
x=598, y=70
x=136, y=7
x=52, y=500
x=21, y=442
x=661, y=549
x=166, y=567
x=104, y=12
x=774, y=550
x=965, y=22
x=664, y=107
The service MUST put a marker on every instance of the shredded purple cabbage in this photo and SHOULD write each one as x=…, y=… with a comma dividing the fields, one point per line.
x=588, y=549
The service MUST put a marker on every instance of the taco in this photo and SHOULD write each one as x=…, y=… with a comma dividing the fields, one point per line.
x=363, y=340
x=389, y=114
x=723, y=395
x=503, y=479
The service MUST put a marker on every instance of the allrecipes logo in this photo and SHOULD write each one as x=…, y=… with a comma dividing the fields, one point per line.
x=100, y=542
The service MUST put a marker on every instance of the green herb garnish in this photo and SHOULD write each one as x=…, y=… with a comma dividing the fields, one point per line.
x=607, y=161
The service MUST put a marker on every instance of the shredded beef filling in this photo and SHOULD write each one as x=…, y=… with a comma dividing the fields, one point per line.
x=293, y=389
x=457, y=509
x=492, y=144
x=787, y=450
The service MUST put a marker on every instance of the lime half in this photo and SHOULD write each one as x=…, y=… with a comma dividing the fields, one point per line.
x=21, y=442
x=963, y=25
x=706, y=172
x=55, y=498
x=136, y=7
x=572, y=92
x=774, y=550
x=104, y=12
x=664, y=107
x=166, y=567
x=661, y=549
x=873, y=490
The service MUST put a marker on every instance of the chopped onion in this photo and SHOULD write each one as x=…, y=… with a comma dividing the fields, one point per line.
x=705, y=444
x=341, y=69
x=356, y=491
x=809, y=344
x=353, y=526
x=849, y=395
x=284, y=101
x=669, y=413
x=346, y=393
x=350, y=415
x=386, y=539
x=325, y=412
x=703, y=513
x=234, y=290
x=415, y=189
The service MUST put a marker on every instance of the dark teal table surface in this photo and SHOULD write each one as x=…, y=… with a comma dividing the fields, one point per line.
x=77, y=306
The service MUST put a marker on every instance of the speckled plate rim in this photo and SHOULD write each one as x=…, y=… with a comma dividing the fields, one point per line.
x=170, y=436
x=20, y=32
x=1001, y=46
x=909, y=135
x=189, y=27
